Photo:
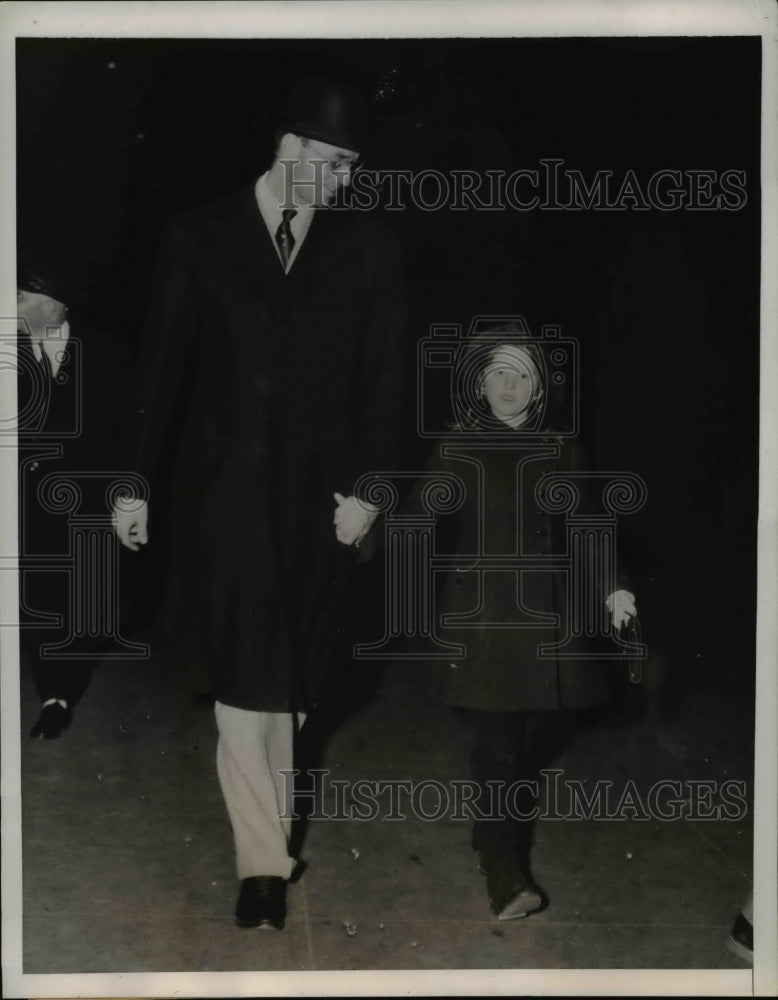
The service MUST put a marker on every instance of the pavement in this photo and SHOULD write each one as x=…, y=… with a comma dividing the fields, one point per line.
x=128, y=858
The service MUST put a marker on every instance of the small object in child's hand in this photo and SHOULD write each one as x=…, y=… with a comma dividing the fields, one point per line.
x=630, y=632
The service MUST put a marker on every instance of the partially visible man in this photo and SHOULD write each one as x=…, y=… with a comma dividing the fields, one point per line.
x=69, y=383
x=271, y=383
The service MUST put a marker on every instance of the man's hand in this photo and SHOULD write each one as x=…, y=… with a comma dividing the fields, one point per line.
x=621, y=605
x=131, y=518
x=44, y=320
x=352, y=520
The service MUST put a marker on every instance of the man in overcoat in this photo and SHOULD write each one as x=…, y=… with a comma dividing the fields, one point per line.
x=271, y=385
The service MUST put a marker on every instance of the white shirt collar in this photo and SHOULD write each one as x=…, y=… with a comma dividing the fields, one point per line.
x=271, y=212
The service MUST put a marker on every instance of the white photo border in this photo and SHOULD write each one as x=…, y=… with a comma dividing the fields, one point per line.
x=460, y=18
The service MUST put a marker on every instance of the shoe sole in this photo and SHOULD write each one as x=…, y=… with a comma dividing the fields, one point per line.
x=736, y=948
x=262, y=925
x=525, y=903
x=521, y=906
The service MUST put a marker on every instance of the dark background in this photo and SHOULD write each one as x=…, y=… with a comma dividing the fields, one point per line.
x=115, y=135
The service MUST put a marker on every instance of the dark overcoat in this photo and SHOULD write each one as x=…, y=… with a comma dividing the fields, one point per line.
x=68, y=440
x=262, y=394
x=509, y=614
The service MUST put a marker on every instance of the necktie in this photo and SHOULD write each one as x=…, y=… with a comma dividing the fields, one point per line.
x=284, y=237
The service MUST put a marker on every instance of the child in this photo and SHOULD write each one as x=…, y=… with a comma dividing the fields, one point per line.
x=512, y=697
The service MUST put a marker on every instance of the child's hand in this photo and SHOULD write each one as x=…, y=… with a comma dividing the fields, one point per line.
x=352, y=520
x=621, y=605
x=130, y=518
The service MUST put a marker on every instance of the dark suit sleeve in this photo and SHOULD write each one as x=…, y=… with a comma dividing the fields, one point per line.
x=382, y=389
x=170, y=341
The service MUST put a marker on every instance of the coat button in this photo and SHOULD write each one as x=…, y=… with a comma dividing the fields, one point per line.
x=458, y=581
x=541, y=531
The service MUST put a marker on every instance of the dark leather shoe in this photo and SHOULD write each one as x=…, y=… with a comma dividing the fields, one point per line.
x=262, y=902
x=511, y=893
x=52, y=721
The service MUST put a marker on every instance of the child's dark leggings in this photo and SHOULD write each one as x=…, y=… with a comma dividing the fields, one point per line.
x=512, y=747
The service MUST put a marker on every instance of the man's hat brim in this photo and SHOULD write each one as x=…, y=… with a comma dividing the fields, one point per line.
x=325, y=111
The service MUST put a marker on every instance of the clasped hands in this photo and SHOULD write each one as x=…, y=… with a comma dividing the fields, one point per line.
x=131, y=519
x=621, y=605
x=353, y=519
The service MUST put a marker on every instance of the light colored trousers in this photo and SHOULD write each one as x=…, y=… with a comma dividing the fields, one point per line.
x=254, y=751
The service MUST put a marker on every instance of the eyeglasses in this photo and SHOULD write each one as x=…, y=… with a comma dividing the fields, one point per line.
x=341, y=162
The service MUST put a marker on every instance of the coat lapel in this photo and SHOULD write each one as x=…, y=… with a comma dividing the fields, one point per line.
x=242, y=233
x=325, y=227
